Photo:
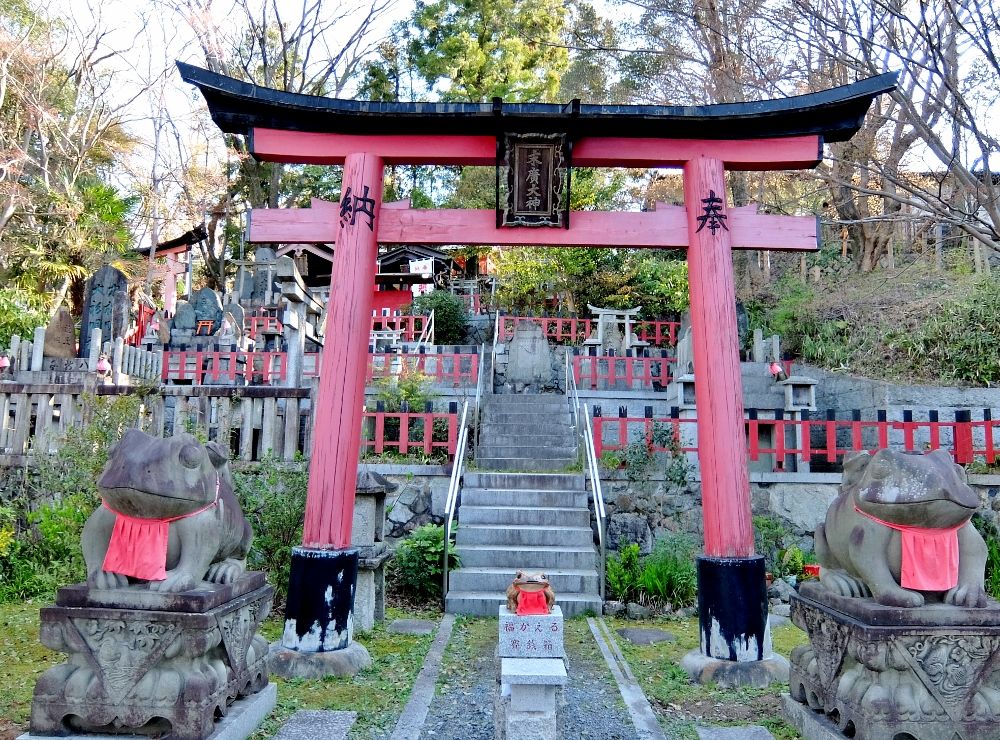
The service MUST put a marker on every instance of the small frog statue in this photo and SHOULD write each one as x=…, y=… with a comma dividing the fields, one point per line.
x=530, y=593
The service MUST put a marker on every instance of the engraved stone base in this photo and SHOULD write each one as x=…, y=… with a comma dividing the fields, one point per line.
x=532, y=636
x=172, y=666
x=931, y=673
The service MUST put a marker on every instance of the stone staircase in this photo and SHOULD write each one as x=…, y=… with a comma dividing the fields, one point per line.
x=526, y=432
x=516, y=513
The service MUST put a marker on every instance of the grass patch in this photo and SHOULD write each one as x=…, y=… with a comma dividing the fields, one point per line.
x=377, y=694
x=680, y=704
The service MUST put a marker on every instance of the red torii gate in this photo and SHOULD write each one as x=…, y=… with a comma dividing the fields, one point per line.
x=705, y=141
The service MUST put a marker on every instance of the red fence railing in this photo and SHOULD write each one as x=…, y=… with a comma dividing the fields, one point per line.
x=446, y=368
x=823, y=442
x=430, y=433
x=256, y=368
x=271, y=368
x=575, y=331
x=602, y=372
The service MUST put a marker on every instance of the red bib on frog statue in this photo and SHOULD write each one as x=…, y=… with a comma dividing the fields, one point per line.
x=138, y=546
x=929, y=556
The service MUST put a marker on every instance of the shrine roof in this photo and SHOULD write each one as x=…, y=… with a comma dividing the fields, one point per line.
x=836, y=114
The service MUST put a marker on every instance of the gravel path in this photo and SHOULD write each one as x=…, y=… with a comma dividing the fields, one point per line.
x=462, y=709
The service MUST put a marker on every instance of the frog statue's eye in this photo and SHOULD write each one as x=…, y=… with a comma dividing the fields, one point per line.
x=190, y=456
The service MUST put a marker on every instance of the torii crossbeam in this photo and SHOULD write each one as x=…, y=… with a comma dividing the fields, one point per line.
x=704, y=140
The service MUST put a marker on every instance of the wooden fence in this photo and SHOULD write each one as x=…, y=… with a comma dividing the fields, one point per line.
x=803, y=441
x=124, y=360
x=249, y=422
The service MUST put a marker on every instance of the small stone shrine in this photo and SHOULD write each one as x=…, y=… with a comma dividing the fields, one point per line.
x=531, y=660
x=162, y=638
x=904, y=643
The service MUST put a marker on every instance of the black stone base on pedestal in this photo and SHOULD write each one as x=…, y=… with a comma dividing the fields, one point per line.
x=735, y=636
x=319, y=617
x=732, y=608
x=319, y=613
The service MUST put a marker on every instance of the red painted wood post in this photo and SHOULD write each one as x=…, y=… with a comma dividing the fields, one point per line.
x=725, y=487
x=333, y=467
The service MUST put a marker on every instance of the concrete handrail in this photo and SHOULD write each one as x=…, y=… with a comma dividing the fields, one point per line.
x=451, y=500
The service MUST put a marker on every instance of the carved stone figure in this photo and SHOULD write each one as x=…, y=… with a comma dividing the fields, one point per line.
x=207, y=307
x=899, y=531
x=530, y=593
x=170, y=657
x=169, y=517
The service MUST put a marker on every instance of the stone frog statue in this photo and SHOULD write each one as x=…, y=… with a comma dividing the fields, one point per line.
x=530, y=593
x=899, y=531
x=169, y=517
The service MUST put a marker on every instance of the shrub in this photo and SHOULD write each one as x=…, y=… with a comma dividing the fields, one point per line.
x=623, y=573
x=416, y=570
x=962, y=341
x=40, y=525
x=273, y=498
x=669, y=574
x=450, y=315
x=769, y=540
x=992, y=538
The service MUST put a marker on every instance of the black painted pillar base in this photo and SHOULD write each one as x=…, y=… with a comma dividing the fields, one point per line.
x=732, y=608
x=735, y=635
x=319, y=615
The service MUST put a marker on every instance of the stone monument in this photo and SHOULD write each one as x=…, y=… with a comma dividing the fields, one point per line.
x=60, y=336
x=162, y=638
x=106, y=306
x=904, y=642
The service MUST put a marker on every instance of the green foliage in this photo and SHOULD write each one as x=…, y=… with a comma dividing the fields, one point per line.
x=962, y=340
x=769, y=540
x=493, y=48
x=992, y=538
x=21, y=312
x=791, y=560
x=666, y=576
x=40, y=526
x=668, y=573
x=638, y=458
x=624, y=572
x=610, y=460
x=450, y=315
x=273, y=497
x=413, y=388
x=416, y=570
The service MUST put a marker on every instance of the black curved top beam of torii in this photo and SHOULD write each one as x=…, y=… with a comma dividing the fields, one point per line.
x=836, y=114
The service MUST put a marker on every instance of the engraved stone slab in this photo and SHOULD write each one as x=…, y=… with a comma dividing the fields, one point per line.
x=934, y=668
x=60, y=336
x=536, y=636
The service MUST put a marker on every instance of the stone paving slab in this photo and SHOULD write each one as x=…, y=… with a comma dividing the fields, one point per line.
x=412, y=627
x=643, y=636
x=317, y=724
x=750, y=732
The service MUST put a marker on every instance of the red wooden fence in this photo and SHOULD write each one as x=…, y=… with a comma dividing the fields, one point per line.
x=621, y=373
x=408, y=432
x=256, y=368
x=575, y=331
x=445, y=368
x=816, y=441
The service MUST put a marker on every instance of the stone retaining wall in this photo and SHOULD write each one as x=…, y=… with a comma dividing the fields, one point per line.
x=641, y=510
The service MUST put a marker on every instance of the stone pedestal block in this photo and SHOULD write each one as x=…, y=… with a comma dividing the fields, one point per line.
x=151, y=663
x=929, y=673
x=526, y=708
x=535, y=636
x=369, y=594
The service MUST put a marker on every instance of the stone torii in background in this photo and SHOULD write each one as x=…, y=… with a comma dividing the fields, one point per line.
x=530, y=139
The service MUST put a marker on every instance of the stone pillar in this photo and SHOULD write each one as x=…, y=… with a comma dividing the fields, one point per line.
x=368, y=536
